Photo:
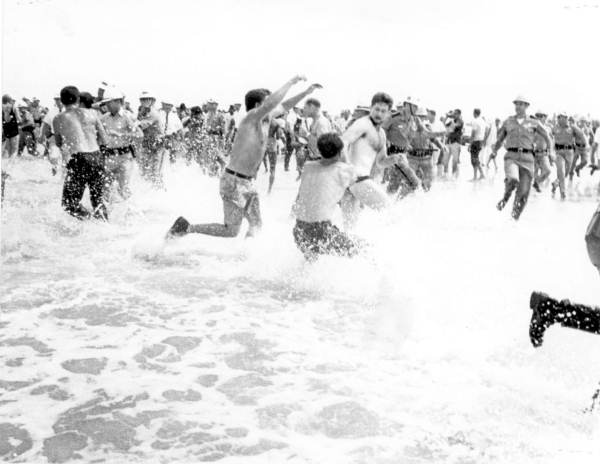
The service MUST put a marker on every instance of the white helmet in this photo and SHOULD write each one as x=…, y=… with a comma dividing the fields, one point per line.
x=146, y=94
x=421, y=111
x=112, y=93
x=521, y=98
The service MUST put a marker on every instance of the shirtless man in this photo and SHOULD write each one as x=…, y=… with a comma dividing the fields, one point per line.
x=237, y=188
x=79, y=133
x=366, y=146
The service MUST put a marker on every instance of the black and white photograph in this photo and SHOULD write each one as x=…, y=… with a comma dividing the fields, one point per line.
x=300, y=232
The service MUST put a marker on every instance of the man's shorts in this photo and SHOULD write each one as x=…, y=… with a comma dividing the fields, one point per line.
x=323, y=238
x=240, y=200
x=475, y=149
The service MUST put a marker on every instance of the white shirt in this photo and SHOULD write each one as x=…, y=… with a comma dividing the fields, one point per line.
x=478, y=127
x=597, y=136
x=174, y=123
x=321, y=189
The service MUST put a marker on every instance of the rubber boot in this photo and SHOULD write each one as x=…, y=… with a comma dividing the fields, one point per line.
x=509, y=186
x=518, y=207
x=548, y=311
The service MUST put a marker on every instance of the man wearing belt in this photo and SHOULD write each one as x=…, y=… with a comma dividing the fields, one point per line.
x=152, y=150
x=79, y=133
x=121, y=131
x=398, y=129
x=518, y=132
x=541, y=153
x=423, y=142
x=237, y=188
x=580, y=160
x=366, y=146
x=566, y=138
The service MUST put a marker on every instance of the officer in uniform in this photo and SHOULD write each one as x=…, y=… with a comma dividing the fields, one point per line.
x=566, y=139
x=518, y=134
x=541, y=153
x=423, y=143
x=398, y=130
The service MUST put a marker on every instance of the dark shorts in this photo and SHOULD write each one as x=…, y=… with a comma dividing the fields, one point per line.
x=475, y=149
x=272, y=157
x=323, y=238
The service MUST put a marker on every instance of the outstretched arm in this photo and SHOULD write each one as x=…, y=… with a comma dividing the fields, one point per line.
x=275, y=98
x=291, y=102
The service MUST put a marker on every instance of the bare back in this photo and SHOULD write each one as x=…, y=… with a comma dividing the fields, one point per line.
x=250, y=144
x=78, y=130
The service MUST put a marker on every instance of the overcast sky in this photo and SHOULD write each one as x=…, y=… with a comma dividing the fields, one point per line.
x=458, y=53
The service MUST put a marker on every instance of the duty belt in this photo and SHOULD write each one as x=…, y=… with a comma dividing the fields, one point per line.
x=558, y=146
x=520, y=150
x=421, y=152
x=118, y=150
x=237, y=174
x=394, y=149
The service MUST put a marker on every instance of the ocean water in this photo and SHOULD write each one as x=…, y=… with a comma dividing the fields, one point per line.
x=116, y=346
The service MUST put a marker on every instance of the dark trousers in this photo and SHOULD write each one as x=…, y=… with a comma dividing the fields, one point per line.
x=85, y=169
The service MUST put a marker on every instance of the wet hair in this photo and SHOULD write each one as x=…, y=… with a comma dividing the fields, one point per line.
x=476, y=112
x=457, y=111
x=6, y=99
x=182, y=107
x=313, y=102
x=330, y=145
x=255, y=96
x=69, y=95
x=86, y=99
x=195, y=110
x=382, y=97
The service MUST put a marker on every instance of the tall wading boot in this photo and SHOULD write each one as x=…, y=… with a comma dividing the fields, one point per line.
x=548, y=311
x=518, y=207
x=509, y=186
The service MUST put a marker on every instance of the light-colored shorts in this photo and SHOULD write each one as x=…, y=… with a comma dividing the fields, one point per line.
x=240, y=200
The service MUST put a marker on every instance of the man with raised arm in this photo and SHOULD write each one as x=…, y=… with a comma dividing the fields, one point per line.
x=237, y=187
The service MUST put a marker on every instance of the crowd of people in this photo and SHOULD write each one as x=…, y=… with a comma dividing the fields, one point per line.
x=369, y=157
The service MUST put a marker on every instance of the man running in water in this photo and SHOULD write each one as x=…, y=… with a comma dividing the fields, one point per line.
x=79, y=133
x=237, y=188
x=366, y=145
x=519, y=132
x=542, y=153
x=566, y=138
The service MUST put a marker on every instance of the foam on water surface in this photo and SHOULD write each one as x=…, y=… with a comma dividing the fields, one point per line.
x=118, y=345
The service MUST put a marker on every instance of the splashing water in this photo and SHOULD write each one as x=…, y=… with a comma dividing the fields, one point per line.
x=116, y=345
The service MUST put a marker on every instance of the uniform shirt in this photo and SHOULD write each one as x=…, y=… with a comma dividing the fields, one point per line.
x=478, y=129
x=119, y=128
x=569, y=135
x=420, y=139
x=398, y=130
x=215, y=123
x=170, y=124
x=155, y=129
x=540, y=142
x=521, y=134
x=321, y=189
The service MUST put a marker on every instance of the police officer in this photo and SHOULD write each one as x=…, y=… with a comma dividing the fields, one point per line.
x=423, y=143
x=566, y=138
x=121, y=132
x=541, y=153
x=152, y=149
x=398, y=130
x=518, y=134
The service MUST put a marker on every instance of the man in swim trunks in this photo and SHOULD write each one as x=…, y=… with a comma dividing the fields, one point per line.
x=366, y=146
x=237, y=187
x=79, y=134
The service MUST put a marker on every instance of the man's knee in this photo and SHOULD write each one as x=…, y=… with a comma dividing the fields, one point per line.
x=232, y=230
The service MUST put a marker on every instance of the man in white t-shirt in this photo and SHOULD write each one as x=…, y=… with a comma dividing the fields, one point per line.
x=323, y=183
x=479, y=130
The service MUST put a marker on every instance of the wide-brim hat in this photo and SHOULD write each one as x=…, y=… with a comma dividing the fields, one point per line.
x=521, y=98
x=147, y=95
